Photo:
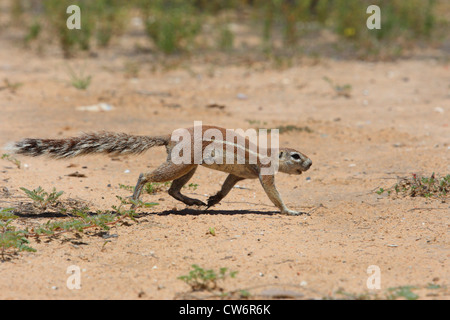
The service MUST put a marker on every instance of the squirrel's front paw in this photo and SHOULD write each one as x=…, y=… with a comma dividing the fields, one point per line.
x=213, y=200
x=196, y=202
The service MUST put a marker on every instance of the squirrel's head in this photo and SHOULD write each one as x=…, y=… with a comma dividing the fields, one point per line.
x=292, y=161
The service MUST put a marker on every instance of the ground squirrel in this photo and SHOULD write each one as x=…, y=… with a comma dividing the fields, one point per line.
x=288, y=160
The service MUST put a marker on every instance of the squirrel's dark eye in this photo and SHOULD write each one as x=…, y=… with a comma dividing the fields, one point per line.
x=296, y=156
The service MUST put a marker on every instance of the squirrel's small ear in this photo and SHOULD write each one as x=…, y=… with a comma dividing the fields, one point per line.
x=280, y=155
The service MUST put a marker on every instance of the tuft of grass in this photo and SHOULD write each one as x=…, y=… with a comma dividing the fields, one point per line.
x=81, y=83
x=34, y=30
x=281, y=129
x=150, y=188
x=79, y=80
x=200, y=279
x=10, y=158
x=126, y=187
x=420, y=186
x=155, y=187
x=402, y=292
x=289, y=128
x=43, y=199
x=225, y=40
x=11, y=238
x=354, y=296
x=134, y=203
x=211, y=231
x=192, y=186
x=256, y=122
x=340, y=90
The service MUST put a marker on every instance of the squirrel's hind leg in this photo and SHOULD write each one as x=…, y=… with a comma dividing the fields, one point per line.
x=168, y=171
x=176, y=186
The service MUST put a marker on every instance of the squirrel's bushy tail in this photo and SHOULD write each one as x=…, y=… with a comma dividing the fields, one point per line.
x=87, y=143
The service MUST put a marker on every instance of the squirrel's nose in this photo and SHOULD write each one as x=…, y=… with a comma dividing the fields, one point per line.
x=307, y=164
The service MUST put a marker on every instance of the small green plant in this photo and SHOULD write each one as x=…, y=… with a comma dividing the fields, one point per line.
x=420, y=186
x=154, y=187
x=43, y=199
x=33, y=31
x=192, y=186
x=226, y=39
x=341, y=90
x=433, y=286
x=135, y=205
x=244, y=294
x=382, y=190
x=9, y=158
x=354, y=296
x=126, y=187
x=402, y=292
x=281, y=129
x=79, y=80
x=100, y=219
x=256, y=122
x=150, y=188
x=81, y=83
x=10, y=237
x=200, y=279
x=289, y=128
x=212, y=231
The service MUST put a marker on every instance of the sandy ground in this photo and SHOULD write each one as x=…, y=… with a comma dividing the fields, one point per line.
x=395, y=123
